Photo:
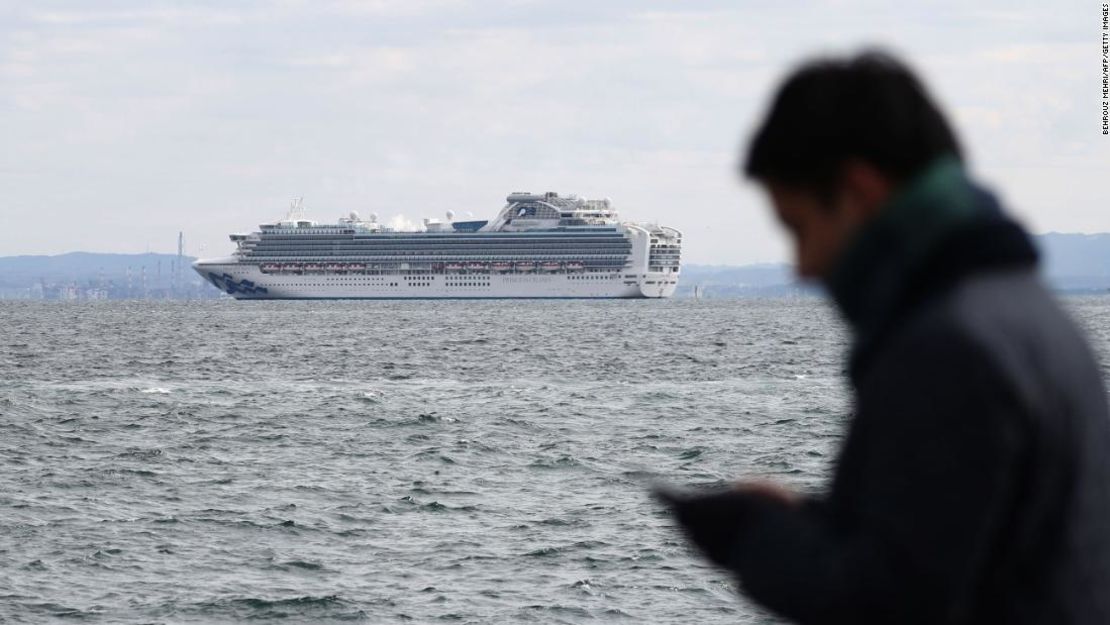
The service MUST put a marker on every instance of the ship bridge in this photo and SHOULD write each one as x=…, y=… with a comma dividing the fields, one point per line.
x=548, y=211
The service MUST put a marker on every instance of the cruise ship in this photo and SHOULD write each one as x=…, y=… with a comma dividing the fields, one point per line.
x=538, y=246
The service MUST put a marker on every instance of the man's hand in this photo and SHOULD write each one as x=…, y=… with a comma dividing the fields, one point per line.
x=772, y=491
x=713, y=521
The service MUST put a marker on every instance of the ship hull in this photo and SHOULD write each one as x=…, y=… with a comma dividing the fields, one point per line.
x=247, y=281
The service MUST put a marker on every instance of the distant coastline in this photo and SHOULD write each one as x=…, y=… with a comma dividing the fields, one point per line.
x=97, y=276
x=1072, y=263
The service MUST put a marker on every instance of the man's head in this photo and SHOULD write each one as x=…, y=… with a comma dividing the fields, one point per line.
x=840, y=137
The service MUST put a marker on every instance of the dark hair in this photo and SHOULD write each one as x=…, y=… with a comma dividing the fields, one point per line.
x=869, y=107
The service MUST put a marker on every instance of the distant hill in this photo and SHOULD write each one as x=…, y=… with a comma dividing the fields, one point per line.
x=717, y=281
x=1074, y=263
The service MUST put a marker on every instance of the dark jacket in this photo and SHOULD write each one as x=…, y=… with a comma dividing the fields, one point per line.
x=974, y=482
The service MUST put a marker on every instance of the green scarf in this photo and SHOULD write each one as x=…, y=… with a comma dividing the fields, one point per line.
x=867, y=277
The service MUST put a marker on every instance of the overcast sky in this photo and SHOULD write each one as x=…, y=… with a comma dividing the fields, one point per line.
x=124, y=122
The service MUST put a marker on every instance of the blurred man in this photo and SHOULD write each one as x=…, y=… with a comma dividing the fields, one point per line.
x=973, y=485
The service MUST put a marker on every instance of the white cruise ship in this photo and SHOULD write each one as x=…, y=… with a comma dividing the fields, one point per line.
x=538, y=246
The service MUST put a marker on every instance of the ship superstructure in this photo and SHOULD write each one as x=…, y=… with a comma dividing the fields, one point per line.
x=538, y=246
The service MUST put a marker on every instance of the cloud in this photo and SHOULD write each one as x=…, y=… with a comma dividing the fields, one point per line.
x=129, y=121
x=167, y=15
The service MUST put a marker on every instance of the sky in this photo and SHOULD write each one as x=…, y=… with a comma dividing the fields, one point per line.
x=122, y=123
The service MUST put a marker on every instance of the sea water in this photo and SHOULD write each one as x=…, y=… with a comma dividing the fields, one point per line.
x=461, y=461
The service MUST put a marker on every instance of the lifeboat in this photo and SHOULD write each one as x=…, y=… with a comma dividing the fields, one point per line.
x=551, y=266
x=502, y=266
x=525, y=266
x=270, y=268
x=575, y=265
x=453, y=266
x=475, y=265
x=312, y=267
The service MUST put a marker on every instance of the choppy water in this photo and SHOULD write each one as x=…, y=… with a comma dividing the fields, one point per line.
x=402, y=461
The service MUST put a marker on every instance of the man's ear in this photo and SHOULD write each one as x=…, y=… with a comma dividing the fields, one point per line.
x=866, y=188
